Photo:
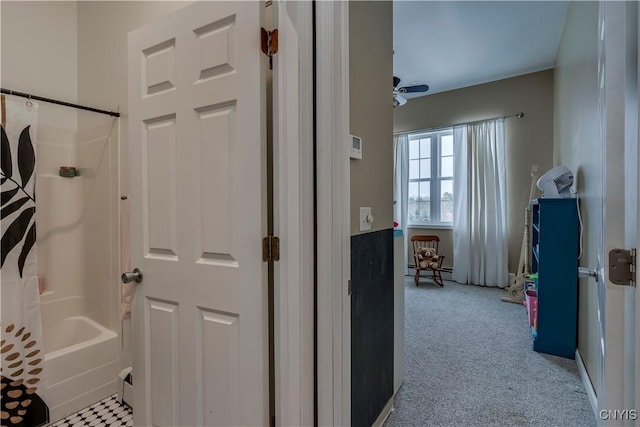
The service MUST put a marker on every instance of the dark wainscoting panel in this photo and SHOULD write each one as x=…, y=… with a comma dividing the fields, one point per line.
x=371, y=325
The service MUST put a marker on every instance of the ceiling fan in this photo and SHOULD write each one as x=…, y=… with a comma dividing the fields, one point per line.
x=398, y=99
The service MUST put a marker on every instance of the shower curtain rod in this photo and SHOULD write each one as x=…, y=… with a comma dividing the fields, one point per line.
x=55, y=101
x=518, y=115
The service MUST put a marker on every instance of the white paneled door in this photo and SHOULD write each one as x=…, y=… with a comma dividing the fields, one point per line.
x=198, y=198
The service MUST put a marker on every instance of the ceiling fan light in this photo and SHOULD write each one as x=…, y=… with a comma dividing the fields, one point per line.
x=398, y=101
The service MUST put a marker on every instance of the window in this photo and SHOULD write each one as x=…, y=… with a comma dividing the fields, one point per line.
x=431, y=178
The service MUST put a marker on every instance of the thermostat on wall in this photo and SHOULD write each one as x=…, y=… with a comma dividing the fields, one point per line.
x=356, y=147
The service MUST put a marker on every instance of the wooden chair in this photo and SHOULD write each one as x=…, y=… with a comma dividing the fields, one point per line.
x=424, y=264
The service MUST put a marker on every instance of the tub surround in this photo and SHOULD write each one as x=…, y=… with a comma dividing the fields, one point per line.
x=81, y=361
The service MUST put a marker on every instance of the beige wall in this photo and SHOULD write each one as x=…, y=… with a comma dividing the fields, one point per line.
x=529, y=140
x=102, y=55
x=370, y=81
x=576, y=145
x=39, y=43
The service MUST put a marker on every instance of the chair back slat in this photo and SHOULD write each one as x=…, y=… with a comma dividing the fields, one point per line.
x=424, y=241
x=427, y=241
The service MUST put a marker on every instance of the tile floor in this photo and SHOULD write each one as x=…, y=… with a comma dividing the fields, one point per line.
x=107, y=412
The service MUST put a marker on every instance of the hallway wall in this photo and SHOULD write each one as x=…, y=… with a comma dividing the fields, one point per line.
x=371, y=110
x=576, y=145
x=371, y=116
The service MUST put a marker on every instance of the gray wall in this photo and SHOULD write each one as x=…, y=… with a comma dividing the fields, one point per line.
x=577, y=146
x=529, y=140
x=371, y=106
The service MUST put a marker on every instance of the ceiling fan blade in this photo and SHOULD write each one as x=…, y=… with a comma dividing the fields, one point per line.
x=412, y=89
x=398, y=101
x=396, y=81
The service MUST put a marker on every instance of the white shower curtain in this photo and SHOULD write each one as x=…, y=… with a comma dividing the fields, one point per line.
x=480, y=221
x=401, y=189
x=21, y=328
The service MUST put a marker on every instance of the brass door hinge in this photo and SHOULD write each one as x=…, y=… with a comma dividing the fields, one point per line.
x=269, y=43
x=622, y=267
x=271, y=248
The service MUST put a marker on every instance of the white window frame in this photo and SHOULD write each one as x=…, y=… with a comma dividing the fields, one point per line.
x=435, y=179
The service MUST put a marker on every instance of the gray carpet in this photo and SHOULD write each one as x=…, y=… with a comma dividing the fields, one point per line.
x=469, y=362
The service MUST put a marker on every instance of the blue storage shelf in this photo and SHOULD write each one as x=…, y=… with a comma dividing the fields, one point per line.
x=554, y=248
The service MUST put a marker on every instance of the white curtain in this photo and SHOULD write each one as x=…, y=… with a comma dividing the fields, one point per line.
x=401, y=188
x=480, y=222
x=21, y=327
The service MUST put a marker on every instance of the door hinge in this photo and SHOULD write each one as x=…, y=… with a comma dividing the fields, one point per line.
x=349, y=288
x=622, y=267
x=269, y=43
x=271, y=248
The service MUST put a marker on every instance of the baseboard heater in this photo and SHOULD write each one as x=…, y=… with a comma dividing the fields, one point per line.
x=125, y=387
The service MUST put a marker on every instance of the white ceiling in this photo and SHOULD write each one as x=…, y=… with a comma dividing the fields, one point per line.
x=452, y=44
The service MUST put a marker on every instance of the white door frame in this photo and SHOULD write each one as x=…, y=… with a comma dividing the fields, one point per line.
x=333, y=207
x=611, y=101
x=293, y=326
x=293, y=214
x=618, y=382
x=637, y=301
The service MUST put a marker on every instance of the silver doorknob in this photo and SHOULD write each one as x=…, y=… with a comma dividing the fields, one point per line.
x=132, y=276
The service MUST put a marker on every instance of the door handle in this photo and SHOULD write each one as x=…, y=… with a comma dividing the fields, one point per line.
x=132, y=276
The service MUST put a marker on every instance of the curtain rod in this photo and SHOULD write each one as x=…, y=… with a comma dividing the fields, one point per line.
x=518, y=115
x=55, y=101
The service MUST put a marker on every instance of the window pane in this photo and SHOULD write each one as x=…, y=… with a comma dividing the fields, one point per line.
x=412, y=212
x=447, y=145
x=423, y=212
x=446, y=200
x=419, y=202
x=425, y=191
x=414, y=169
x=414, y=195
x=414, y=149
x=447, y=166
x=425, y=168
x=425, y=147
x=425, y=198
x=413, y=191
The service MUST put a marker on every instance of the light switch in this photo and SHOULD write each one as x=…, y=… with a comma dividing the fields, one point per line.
x=366, y=219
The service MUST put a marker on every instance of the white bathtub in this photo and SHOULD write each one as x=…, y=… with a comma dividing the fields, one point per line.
x=81, y=361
